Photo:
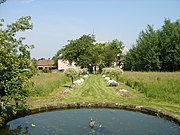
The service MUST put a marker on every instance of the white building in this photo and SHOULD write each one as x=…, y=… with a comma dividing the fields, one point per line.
x=62, y=65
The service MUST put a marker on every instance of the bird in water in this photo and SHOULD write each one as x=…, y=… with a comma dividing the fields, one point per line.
x=92, y=123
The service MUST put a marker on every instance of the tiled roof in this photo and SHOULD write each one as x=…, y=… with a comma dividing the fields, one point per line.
x=45, y=63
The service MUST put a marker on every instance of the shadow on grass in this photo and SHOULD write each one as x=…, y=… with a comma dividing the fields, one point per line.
x=67, y=86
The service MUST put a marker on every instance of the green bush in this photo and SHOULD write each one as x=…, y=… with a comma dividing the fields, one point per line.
x=113, y=72
x=72, y=73
x=45, y=71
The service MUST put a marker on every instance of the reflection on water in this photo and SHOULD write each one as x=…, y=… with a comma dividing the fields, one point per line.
x=76, y=122
x=15, y=131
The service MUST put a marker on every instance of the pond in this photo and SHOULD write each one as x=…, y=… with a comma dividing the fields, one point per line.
x=76, y=122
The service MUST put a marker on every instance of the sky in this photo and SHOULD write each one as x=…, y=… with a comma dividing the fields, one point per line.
x=57, y=21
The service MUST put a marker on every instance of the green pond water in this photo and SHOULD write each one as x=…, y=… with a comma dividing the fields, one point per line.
x=76, y=122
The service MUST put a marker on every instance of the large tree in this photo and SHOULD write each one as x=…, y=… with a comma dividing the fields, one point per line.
x=156, y=50
x=169, y=45
x=85, y=53
x=112, y=52
x=14, y=59
x=78, y=50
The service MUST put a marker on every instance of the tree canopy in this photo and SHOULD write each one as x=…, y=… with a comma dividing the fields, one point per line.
x=2, y=1
x=156, y=50
x=14, y=60
x=86, y=53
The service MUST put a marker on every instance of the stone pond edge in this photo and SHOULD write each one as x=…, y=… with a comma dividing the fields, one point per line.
x=130, y=107
x=79, y=105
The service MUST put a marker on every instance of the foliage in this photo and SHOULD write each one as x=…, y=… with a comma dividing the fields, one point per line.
x=19, y=130
x=78, y=50
x=45, y=71
x=85, y=70
x=156, y=50
x=72, y=73
x=86, y=54
x=169, y=43
x=105, y=54
x=109, y=56
x=113, y=72
x=138, y=85
x=116, y=72
x=116, y=46
x=2, y=1
x=14, y=59
x=33, y=66
x=106, y=71
x=56, y=56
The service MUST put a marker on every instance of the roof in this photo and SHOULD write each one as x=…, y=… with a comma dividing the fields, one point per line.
x=45, y=63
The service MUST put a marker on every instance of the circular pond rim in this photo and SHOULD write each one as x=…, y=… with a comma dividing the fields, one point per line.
x=81, y=105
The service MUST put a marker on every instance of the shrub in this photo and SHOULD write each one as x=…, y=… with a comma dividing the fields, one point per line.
x=45, y=71
x=113, y=72
x=72, y=73
x=85, y=70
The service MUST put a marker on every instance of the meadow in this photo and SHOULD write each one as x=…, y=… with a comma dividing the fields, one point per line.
x=46, y=84
x=162, y=86
x=152, y=89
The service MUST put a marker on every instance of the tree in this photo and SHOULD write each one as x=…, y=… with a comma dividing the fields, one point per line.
x=156, y=50
x=72, y=73
x=14, y=58
x=129, y=59
x=96, y=56
x=147, y=54
x=117, y=46
x=112, y=52
x=55, y=57
x=169, y=45
x=2, y=1
x=86, y=54
x=113, y=72
x=109, y=55
x=78, y=50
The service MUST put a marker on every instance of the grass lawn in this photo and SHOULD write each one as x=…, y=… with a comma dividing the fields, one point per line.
x=95, y=89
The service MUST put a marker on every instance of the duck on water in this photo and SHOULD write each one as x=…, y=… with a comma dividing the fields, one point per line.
x=99, y=127
x=92, y=123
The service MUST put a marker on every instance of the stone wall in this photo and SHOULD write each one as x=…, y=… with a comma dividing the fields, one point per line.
x=130, y=107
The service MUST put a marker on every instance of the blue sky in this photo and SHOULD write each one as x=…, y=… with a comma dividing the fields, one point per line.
x=57, y=21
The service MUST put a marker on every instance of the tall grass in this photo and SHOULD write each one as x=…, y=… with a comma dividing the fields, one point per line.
x=163, y=86
x=46, y=83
